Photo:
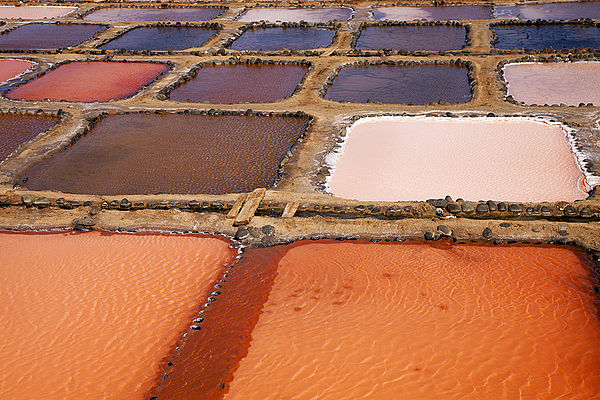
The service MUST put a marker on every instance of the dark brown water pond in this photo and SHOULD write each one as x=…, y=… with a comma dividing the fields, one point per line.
x=149, y=153
x=18, y=129
x=48, y=36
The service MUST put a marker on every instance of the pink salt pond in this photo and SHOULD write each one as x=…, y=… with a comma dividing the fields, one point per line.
x=554, y=83
x=10, y=69
x=89, y=81
x=513, y=159
x=34, y=12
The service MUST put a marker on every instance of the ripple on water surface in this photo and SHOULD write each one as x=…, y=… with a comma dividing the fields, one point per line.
x=154, y=14
x=161, y=38
x=18, y=129
x=361, y=320
x=270, y=39
x=171, y=153
x=433, y=13
x=48, y=36
x=296, y=14
x=92, y=316
x=241, y=83
x=549, y=11
x=411, y=38
x=540, y=37
x=417, y=84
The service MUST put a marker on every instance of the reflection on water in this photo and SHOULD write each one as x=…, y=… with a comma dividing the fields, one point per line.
x=149, y=153
x=162, y=38
x=433, y=13
x=48, y=36
x=412, y=38
x=296, y=14
x=539, y=37
x=417, y=84
x=154, y=14
x=18, y=129
x=550, y=11
x=241, y=83
x=283, y=38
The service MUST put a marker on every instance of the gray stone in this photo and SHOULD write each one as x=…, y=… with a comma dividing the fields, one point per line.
x=453, y=208
x=268, y=230
x=125, y=204
x=504, y=224
x=562, y=232
x=429, y=236
x=28, y=199
x=468, y=207
x=570, y=210
x=438, y=202
x=501, y=206
x=242, y=233
x=444, y=230
x=492, y=205
x=546, y=210
x=585, y=212
x=482, y=208
x=41, y=202
x=487, y=233
x=536, y=228
x=515, y=208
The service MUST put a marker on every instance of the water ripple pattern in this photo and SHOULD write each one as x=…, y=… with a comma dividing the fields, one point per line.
x=48, y=36
x=92, y=316
x=413, y=321
x=18, y=129
x=540, y=37
x=270, y=39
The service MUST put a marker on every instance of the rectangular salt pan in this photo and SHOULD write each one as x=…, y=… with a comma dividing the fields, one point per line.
x=432, y=13
x=554, y=83
x=540, y=37
x=48, y=36
x=550, y=11
x=396, y=158
x=18, y=129
x=412, y=38
x=296, y=14
x=34, y=12
x=270, y=39
x=148, y=153
x=154, y=14
x=160, y=38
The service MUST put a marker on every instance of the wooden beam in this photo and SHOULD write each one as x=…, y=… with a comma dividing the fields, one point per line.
x=290, y=209
x=249, y=208
x=237, y=206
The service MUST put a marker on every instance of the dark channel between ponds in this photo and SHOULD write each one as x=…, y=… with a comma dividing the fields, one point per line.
x=18, y=129
x=227, y=84
x=154, y=14
x=283, y=38
x=539, y=37
x=402, y=84
x=171, y=153
x=48, y=36
x=161, y=38
x=411, y=38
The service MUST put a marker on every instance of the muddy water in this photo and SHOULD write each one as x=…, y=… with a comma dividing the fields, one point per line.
x=549, y=11
x=241, y=84
x=89, y=81
x=547, y=36
x=284, y=38
x=139, y=153
x=11, y=68
x=432, y=13
x=395, y=158
x=361, y=320
x=48, y=36
x=81, y=322
x=554, y=83
x=417, y=84
x=296, y=14
x=34, y=12
x=412, y=38
x=18, y=129
x=154, y=14
x=163, y=38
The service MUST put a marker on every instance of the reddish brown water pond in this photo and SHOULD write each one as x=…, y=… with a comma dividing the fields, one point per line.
x=141, y=153
x=359, y=320
x=95, y=315
x=241, y=83
x=18, y=129
x=48, y=36
x=89, y=81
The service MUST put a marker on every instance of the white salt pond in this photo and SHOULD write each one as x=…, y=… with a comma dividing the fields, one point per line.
x=34, y=12
x=408, y=158
x=554, y=83
x=296, y=14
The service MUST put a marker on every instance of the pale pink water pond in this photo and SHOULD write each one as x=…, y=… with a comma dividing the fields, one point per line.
x=34, y=12
x=554, y=83
x=513, y=159
x=10, y=69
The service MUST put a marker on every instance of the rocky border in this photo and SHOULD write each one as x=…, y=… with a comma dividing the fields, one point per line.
x=365, y=63
x=379, y=52
x=165, y=93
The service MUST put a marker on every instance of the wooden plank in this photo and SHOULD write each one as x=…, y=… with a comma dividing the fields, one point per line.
x=249, y=208
x=237, y=206
x=290, y=209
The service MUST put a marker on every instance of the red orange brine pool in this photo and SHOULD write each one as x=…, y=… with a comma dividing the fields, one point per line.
x=10, y=69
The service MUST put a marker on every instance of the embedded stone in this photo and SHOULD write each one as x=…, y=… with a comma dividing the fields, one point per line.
x=482, y=208
x=268, y=230
x=468, y=207
x=570, y=210
x=492, y=205
x=429, y=236
x=515, y=208
x=438, y=202
x=453, y=208
x=501, y=206
x=444, y=230
x=504, y=224
x=487, y=233
x=41, y=202
x=242, y=233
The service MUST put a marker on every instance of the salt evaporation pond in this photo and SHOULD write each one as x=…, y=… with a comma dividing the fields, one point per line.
x=513, y=159
x=432, y=13
x=48, y=36
x=540, y=37
x=10, y=69
x=296, y=14
x=416, y=84
x=161, y=38
x=554, y=83
x=241, y=83
x=94, y=315
x=34, y=12
x=352, y=320
x=17, y=129
x=171, y=153
x=411, y=38
x=89, y=81
x=549, y=11
x=154, y=14
x=269, y=39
